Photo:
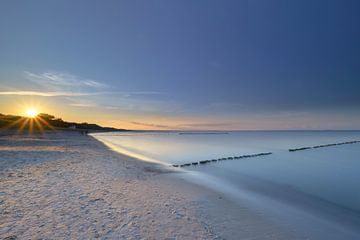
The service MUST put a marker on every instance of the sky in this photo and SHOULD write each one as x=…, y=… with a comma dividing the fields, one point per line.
x=190, y=65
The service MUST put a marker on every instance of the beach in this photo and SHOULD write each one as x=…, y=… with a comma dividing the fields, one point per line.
x=64, y=185
x=315, y=187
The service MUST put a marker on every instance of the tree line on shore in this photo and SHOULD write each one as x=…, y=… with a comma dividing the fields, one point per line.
x=45, y=121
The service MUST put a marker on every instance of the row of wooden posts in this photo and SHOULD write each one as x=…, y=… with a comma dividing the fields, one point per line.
x=259, y=154
x=221, y=159
x=321, y=146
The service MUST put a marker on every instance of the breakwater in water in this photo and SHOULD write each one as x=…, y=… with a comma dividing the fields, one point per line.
x=221, y=159
x=322, y=146
x=258, y=154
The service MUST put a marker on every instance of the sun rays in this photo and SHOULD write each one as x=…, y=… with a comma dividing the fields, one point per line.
x=32, y=122
x=31, y=112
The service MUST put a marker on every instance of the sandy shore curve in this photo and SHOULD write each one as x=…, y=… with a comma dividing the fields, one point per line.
x=68, y=186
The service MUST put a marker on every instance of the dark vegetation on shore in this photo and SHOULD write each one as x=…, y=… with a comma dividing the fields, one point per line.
x=45, y=121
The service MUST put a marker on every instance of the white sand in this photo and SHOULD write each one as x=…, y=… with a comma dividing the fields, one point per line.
x=69, y=186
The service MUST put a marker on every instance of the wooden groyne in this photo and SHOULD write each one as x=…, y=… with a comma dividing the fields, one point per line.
x=221, y=159
x=321, y=146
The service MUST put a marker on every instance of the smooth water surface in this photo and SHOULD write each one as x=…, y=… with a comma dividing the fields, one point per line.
x=323, y=181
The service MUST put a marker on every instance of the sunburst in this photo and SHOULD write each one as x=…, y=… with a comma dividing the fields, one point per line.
x=31, y=112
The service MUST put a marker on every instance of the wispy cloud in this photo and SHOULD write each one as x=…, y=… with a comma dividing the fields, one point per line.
x=142, y=93
x=64, y=93
x=207, y=125
x=62, y=84
x=191, y=126
x=224, y=106
x=56, y=80
x=112, y=107
x=86, y=105
x=76, y=91
x=152, y=125
x=47, y=94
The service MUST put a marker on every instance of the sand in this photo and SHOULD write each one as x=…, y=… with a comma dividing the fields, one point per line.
x=68, y=186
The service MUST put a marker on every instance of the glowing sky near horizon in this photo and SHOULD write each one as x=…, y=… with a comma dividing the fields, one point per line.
x=184, y=64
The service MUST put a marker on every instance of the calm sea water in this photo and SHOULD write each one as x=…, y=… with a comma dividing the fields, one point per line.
x=321, y=183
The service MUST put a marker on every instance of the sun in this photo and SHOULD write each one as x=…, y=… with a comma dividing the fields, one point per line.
x=31, y=112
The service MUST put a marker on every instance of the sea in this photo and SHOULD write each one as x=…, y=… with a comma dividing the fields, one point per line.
x=307, y=181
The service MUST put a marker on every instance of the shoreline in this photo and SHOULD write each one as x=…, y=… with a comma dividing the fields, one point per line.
x=266, y=196
x=66, y=185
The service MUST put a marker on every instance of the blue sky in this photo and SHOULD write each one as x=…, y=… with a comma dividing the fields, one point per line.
x=184, y=64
